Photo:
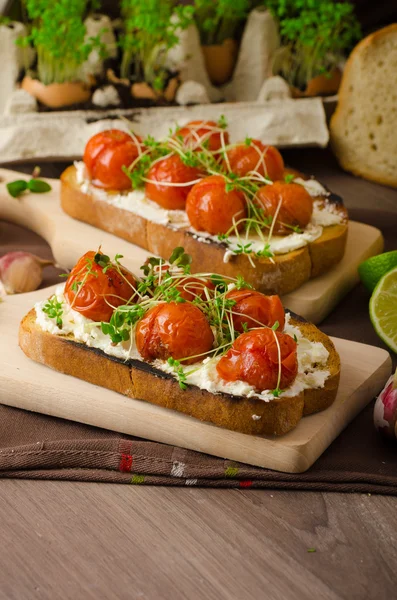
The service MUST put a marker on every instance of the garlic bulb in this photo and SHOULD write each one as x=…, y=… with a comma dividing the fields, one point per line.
x=385, y=411
x=21, y=271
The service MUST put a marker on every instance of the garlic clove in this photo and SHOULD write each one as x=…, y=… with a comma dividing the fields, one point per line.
x=21, y=271
x=385, y=411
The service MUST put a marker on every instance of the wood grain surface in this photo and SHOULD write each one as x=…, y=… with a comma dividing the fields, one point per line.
x=104, y=541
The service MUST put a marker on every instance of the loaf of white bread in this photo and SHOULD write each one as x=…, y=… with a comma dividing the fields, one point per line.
x=364, y=126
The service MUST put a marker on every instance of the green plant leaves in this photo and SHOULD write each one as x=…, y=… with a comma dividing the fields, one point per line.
x=315, y=35
x=15, y=188
x=37, y=186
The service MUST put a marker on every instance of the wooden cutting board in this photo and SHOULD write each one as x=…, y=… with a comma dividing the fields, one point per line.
x=69, y=239
x=28, y=385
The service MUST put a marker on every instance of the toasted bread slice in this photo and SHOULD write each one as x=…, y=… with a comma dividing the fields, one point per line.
x=280, y=276
x=139, y=380
x=363, y=127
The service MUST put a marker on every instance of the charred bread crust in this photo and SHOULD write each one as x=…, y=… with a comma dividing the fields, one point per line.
x=287, y=272
x=139, y=380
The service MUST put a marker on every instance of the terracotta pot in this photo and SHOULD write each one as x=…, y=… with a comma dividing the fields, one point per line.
x=220, y=60
x=57, y=95
x=320, y=86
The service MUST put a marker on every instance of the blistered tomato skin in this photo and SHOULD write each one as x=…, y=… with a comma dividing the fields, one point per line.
x=177, y=330
x=265, y=160
x=170, y=170
x=296, y=205
x=255, y=310
x=197, y=133
x=253, y=358
x=211, y=208
x=106, y=153
x=101, y=292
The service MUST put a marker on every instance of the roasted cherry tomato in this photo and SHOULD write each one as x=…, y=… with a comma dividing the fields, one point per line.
x=211, y=208
x=296, y=205
x=174, y=329
x=255, y=310
x=254, y=358
x=265, y=160
x=106, y=153
x=96, y=294
x=193, y=287
x=197, y=133
x=170, y=170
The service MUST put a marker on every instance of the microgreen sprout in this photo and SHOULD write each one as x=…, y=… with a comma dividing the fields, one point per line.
x=222, y=122
x=53, y=308
x=289, y=178
x=19, y=186
x=179, y=372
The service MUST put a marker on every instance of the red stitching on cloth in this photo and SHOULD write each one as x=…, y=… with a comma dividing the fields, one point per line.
x=245, y=484
x=125, y=463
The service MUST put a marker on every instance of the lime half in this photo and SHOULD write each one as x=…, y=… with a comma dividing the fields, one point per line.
x=374, y=268
x=383, y=309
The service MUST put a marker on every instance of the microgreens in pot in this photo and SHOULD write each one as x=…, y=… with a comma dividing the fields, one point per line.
x=218, y=21
x=58, y=34
x=315, y=35
x=149, y=31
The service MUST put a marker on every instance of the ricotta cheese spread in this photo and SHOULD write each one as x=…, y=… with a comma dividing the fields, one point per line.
x=324, y=215
x=312, y=356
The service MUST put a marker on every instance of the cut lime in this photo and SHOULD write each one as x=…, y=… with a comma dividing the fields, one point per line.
x=375, y=267
x=383, y=309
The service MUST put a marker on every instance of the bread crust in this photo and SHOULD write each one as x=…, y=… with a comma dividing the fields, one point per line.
x=287, y=272
x=139, y=380
x=337, y=123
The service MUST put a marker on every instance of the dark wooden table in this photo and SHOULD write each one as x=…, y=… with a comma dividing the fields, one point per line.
x=93, y=541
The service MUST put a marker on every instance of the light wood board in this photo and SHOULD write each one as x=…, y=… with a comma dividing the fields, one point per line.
x=69, y=239
x=26, y=384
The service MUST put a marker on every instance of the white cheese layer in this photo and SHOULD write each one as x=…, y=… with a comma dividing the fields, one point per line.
x=312, y=356
x=324, y=215
x=133, y=201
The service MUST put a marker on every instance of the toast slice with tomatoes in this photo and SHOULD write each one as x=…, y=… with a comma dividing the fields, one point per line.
x=280, y=274
x=233, y=206
x=140, y=380
x=210, y=347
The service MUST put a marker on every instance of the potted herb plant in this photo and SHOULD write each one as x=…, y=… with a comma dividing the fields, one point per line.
x=150, y=30
x=315, y=37
x=58, y=35
x=218, y=23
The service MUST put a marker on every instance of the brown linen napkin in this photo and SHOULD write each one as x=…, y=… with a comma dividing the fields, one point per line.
x=34, y=446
